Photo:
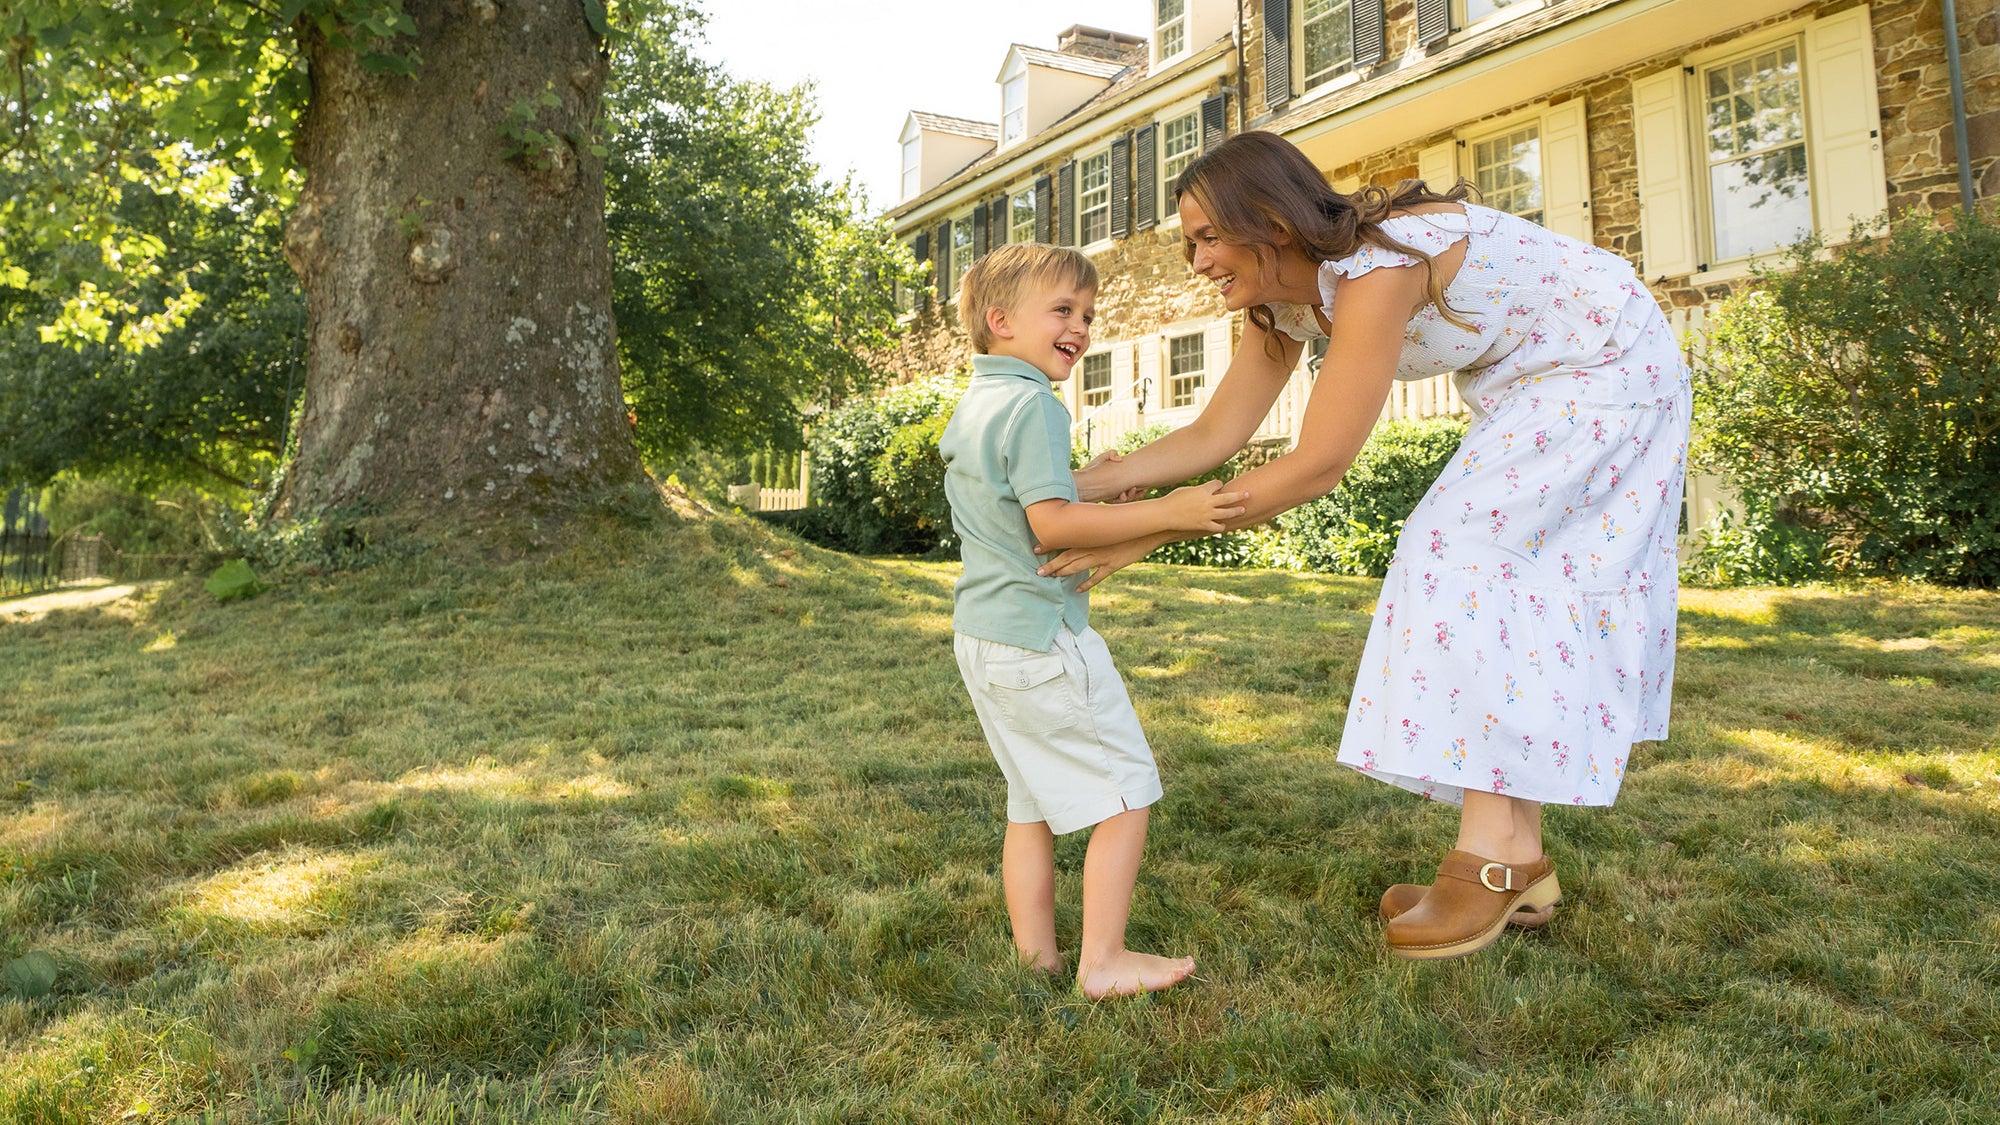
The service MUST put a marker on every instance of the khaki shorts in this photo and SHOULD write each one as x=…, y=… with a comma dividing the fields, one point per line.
x=1062, y=728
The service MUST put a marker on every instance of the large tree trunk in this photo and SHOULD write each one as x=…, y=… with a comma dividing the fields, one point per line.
x=461, y=354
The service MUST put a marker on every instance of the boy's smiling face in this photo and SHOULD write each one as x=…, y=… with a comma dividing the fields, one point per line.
x=1048, y=328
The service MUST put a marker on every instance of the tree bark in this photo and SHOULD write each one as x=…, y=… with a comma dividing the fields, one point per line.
x=461, y=357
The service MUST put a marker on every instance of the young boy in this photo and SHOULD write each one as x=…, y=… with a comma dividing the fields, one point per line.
x=1053, y=708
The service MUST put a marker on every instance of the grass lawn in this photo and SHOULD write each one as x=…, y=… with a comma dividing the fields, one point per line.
x=695, y=824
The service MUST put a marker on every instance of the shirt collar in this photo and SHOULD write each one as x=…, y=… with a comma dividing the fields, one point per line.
x=1008, y=365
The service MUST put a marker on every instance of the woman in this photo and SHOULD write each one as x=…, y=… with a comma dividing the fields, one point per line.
x=1524, y=638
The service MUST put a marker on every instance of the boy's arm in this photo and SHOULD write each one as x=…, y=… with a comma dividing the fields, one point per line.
x=1199, y=509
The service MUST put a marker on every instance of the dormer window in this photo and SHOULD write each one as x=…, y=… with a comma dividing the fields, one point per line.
x=913, y=157
x=1014, y=108
x=1172, y=27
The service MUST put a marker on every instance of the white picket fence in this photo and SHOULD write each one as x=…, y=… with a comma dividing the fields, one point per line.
x=757, y=498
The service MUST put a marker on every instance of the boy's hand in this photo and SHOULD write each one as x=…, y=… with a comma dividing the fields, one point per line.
x=1204, y=507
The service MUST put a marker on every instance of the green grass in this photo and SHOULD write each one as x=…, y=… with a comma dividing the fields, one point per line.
x=694, y=824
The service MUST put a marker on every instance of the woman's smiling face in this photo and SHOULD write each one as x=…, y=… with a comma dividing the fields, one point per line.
x=1243, y=278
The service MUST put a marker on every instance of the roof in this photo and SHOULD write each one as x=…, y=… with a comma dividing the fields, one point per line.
x=956, y=126
x=1075, y=64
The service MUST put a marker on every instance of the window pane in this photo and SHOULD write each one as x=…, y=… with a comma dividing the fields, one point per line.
x=1093, y=185
x=1172, y=26
x=1761, y=202
x=1759, y=194
x=1184, y=369
x=1179, y=140
x=1097, y=379
x=1327, y=48
x=961, y=252
x=1021, y=221
x=1014, y=109
x=1476, y=10
x=1508, y=171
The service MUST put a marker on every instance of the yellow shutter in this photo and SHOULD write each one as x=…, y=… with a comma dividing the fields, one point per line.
x=1843, y=125
x=1437, y=166
x=1566, y=171
x=1666, y=175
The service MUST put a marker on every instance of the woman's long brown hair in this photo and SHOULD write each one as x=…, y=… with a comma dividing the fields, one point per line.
x=1255, y=186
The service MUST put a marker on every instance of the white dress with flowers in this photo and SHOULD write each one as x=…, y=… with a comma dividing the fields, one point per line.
x=1524, y=639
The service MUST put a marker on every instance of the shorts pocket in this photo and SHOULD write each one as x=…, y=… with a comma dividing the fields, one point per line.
x=1034, y=695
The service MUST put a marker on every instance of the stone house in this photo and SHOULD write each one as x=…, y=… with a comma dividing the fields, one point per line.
x=1688, y=135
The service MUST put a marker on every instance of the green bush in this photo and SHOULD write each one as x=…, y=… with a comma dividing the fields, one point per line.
x=1758, y=546
x=1859, y=392
x=871, y=498
x=1353, y=529
x=176, y=520
x=910, y=475
x=1236, y=548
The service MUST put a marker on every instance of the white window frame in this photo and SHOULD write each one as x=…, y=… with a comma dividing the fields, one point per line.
x=1703, y=169
x=1170, y=217
x=1084, y=211
x=1463, y=21
x=1344, y=75
x=1085, y=392
x=913, y=167
x=1014, y=227
x=1179, y=23
x=1196, y=379
x=959, y=262
x=1014, y=109
x=1514, y=123
x=1563, y=132
x=1843, y=144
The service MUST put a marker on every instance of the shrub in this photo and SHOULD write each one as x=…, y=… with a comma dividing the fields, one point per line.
x=1237, y=548
x=851, y=456
x=1757, y=546
x=1859, y=392
x=1353, y=529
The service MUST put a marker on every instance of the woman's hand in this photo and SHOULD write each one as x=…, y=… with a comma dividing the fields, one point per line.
x=1103, y=480
x=1101, y=562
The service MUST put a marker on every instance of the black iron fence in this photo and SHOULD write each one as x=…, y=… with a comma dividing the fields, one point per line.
x=28, y=560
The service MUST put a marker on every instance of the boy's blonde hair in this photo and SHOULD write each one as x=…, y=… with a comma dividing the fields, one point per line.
x=1011, y=272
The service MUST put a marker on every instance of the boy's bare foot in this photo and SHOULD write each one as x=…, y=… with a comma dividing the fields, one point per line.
x=1050, y=964
x=1128, y=974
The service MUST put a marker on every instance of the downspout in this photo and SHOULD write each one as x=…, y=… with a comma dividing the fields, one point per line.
x=1957, y=105
x=1243, y=87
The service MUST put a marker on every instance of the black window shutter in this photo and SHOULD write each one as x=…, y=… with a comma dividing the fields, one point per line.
x=1433, y=21
x=980, y=238
x=1370, y=40
x=1121, y=186
x=998, y=221
x=1278, y=52
x=944, y=260
x=1214, y=126
x=1045, y=215
x=1146, y=177
x=921, y=250
x=1066, y=204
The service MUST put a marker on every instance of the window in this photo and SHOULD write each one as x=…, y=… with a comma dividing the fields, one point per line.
x=961, y=252
x=1180, y=139
x=1172, y=23
x=1753, y=116
x=1508, y=171
x=1021, y=216
x=1184, y=369
x=1093, y=189
x=1744, y=147
x=1472, y=11
x=1326, y=45
x=1014, y=109
x=912, y=166
x=1096, y=381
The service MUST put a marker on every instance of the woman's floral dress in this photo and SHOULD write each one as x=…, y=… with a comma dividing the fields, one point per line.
x=1525, y=635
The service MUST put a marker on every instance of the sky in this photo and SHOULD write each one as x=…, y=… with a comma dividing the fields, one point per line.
x=871, y=62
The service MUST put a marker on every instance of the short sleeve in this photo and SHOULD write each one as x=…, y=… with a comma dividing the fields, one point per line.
x=1036, y=448
x=1432, y=234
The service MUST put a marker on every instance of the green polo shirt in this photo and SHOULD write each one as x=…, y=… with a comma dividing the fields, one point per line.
x=1007, y=447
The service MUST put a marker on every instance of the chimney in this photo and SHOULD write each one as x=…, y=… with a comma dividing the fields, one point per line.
x=1096, y=43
